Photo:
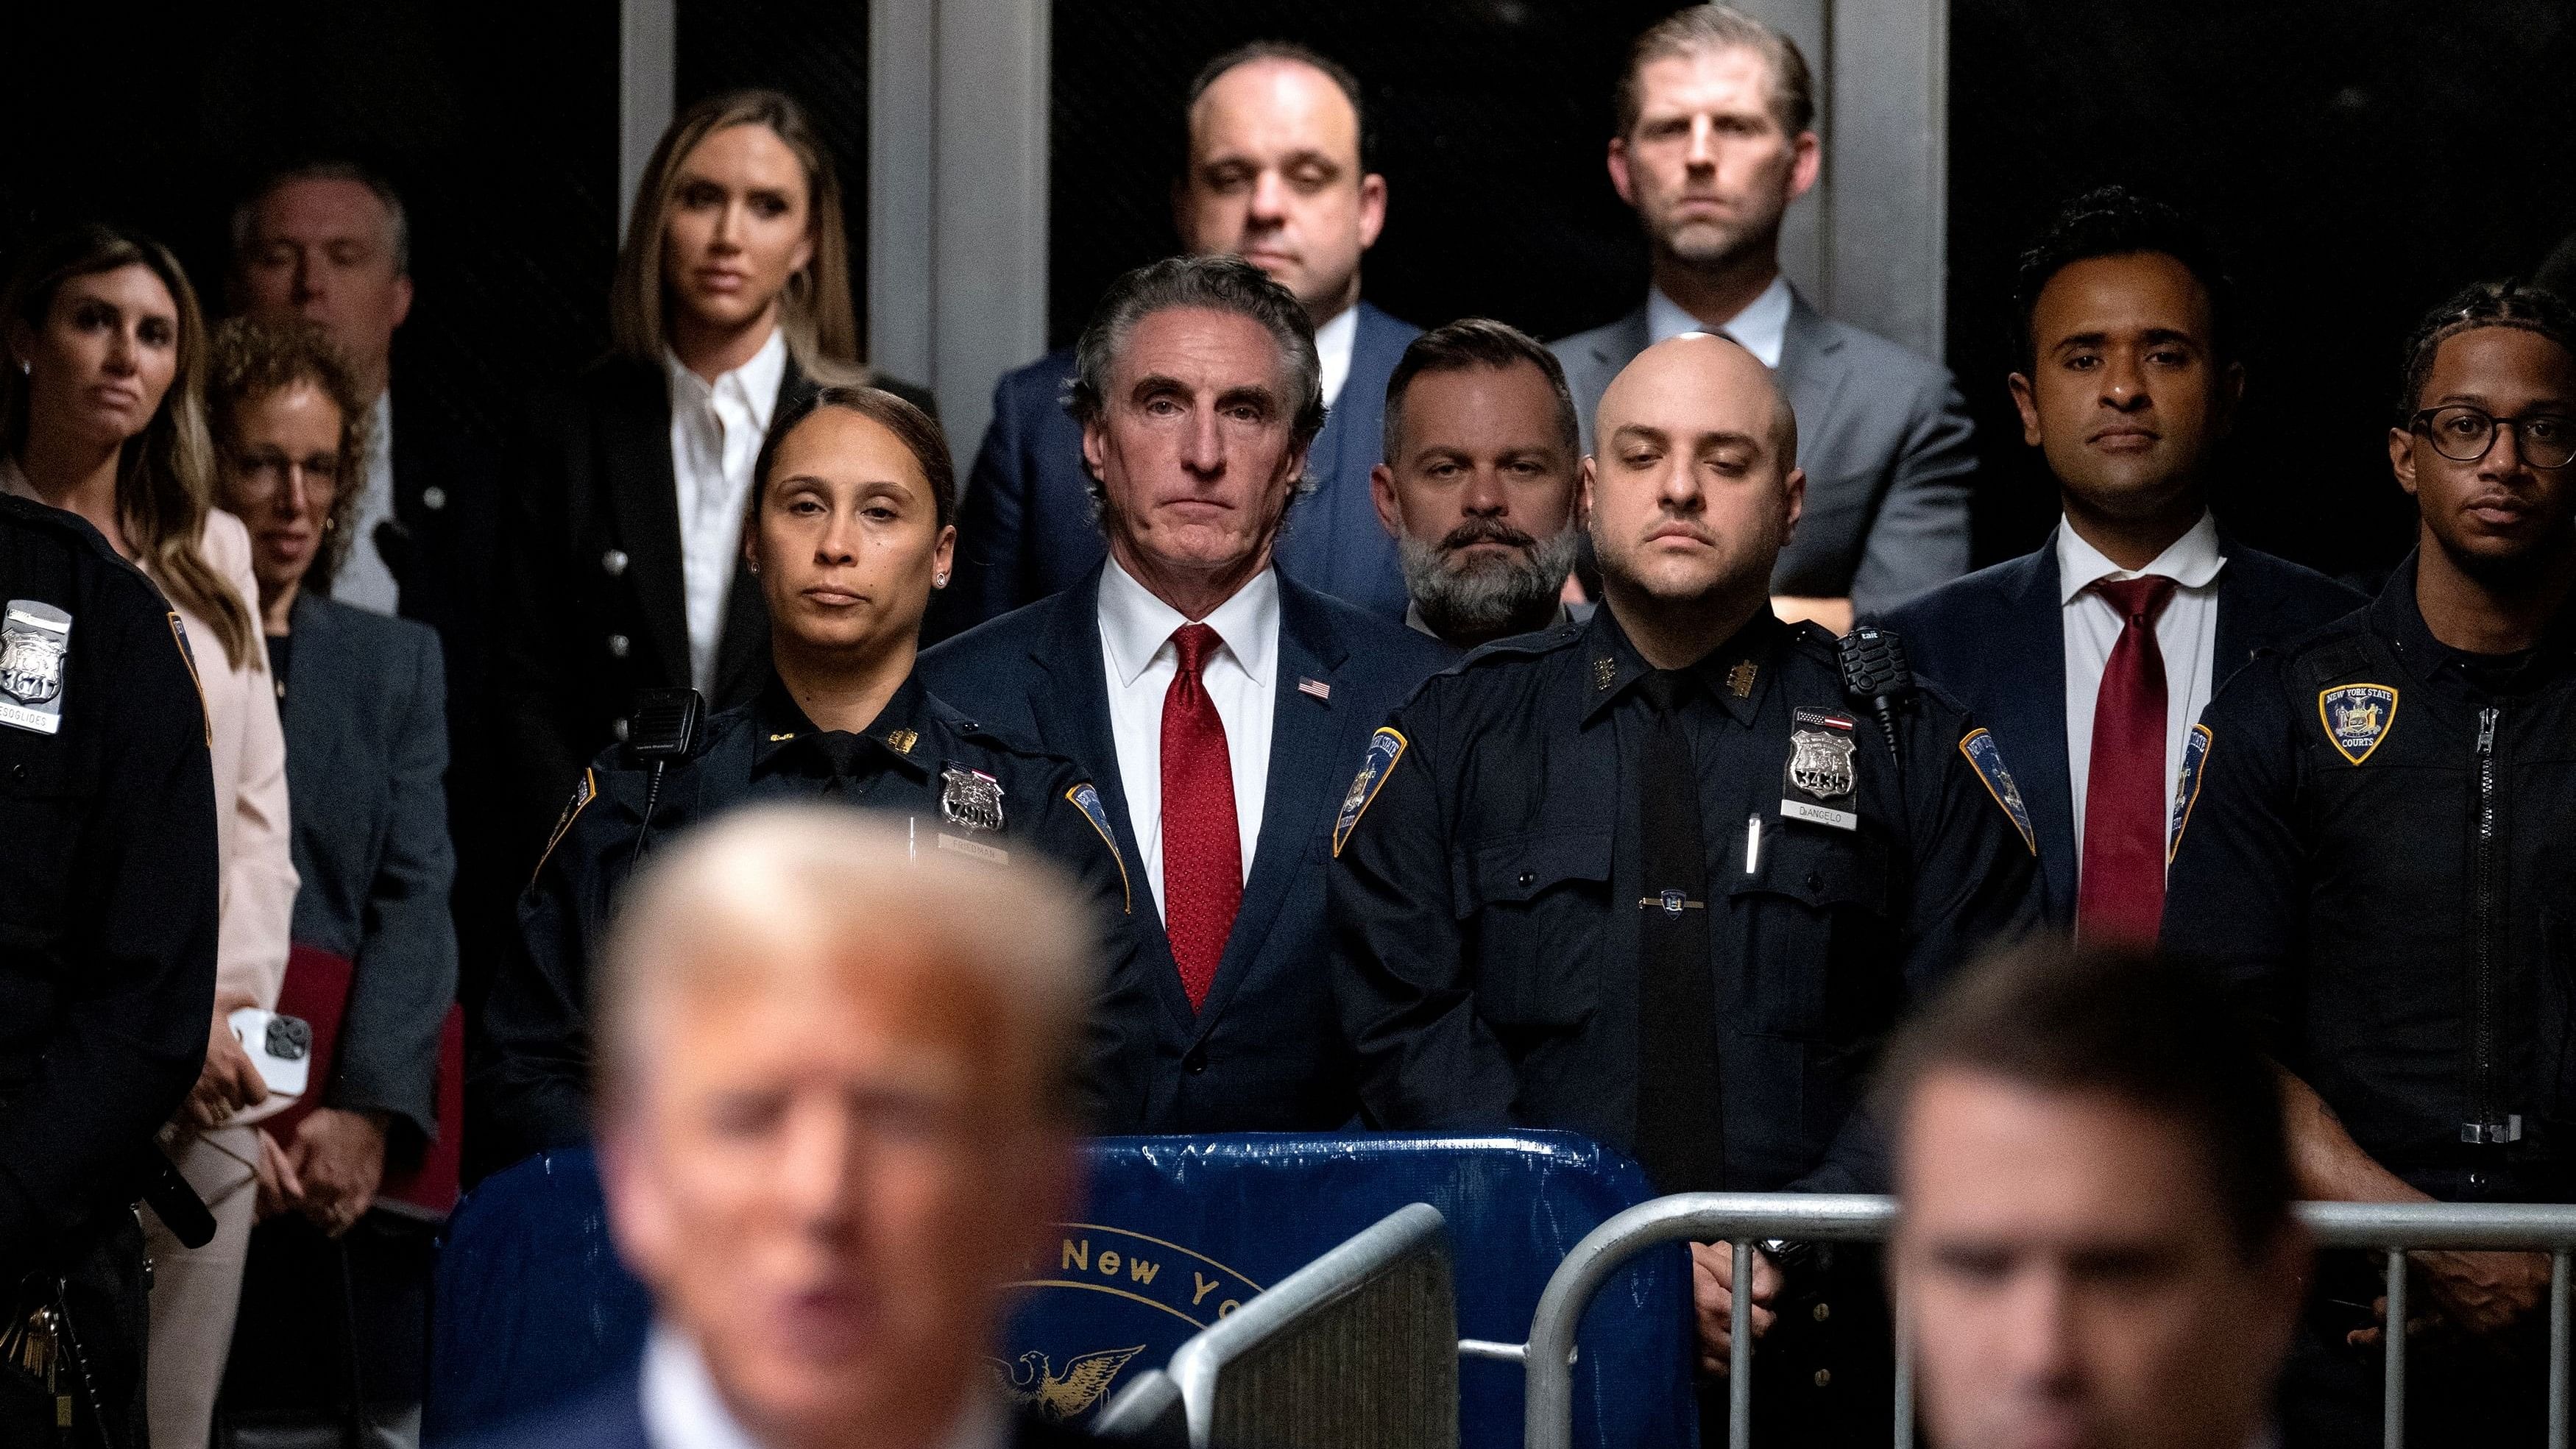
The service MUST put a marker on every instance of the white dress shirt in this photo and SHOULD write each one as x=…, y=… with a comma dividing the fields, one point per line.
x=2186, y=634
x=1333, y=343
x=684, y=1410
x=716, y=431
x=1136, y=644
x=1762, y=327
x=364, y=581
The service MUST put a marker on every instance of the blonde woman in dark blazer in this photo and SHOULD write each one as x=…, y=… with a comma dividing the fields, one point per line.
x=619, y=551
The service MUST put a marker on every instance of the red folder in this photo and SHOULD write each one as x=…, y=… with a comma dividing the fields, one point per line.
x=317, y=990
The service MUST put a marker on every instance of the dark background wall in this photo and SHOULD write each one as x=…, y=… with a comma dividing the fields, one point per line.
x=497, y=120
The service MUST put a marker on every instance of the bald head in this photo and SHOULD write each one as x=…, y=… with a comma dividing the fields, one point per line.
x=834, y=1117
x=1700, y=375
x=1694, y=487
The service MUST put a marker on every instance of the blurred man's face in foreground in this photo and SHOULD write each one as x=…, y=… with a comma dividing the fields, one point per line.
x=827, y=1168
x=2072, y=1279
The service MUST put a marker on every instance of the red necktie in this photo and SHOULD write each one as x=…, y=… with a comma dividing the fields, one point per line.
x=2127, y=797
x=1202, y=846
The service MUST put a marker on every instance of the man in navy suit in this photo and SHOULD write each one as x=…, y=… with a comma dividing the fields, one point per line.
x=832, y=1128
x=1278, y=175
x=2090, y=659
x=1217, y=701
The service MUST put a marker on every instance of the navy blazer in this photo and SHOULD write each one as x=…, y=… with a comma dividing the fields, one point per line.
x=366, y=760
x=1265, y=1052
x=1027, y=528
x=612, y=1417
x=1997, y=640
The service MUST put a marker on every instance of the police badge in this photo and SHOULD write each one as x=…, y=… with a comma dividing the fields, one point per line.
x=2357, y=717
x=34, y=637
x=970, y=799
x=1821, y=768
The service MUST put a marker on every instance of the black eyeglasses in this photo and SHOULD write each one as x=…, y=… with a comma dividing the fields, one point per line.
x=263, y=473
x=2463, y=434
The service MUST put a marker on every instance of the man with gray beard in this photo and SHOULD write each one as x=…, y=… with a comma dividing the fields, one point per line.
x=1478, y=486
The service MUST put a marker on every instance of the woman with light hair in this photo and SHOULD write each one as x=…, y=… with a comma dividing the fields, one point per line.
x=103, y=416
x=731, y=302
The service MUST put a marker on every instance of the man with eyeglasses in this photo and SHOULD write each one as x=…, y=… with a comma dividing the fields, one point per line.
x=2372, y=830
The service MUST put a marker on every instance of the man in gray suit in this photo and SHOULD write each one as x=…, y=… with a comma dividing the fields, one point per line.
x=1716, y=138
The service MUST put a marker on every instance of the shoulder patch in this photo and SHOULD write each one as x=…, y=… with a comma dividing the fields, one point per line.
x=1987, y=758
x=1385, y=748
x=2195, y=754
x=582, y=795
x=2357, y=717
x=1086, y=798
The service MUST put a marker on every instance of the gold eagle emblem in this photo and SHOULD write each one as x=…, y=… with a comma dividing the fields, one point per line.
x=1061, y=1397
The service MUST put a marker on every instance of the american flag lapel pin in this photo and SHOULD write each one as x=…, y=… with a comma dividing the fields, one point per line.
x=1315, y=687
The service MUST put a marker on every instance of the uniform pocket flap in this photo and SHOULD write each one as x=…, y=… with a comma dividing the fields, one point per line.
x=1818, y=866
x=1521, y=868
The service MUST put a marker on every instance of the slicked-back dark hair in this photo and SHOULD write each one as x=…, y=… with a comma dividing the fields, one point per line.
x=2113, y=221
x=918, y=431
x=1216, y=284
x=2516, y=304
x=1342, y=77
x=1478, y=342
x=2121, y=1024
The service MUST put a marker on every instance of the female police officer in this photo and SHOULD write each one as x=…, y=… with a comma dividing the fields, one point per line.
x=848, y=530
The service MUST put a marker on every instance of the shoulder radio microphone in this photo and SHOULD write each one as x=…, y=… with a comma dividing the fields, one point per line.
x=1875, y=673
x=667, y=725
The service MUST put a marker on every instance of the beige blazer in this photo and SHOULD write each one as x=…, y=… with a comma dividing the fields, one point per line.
x=249, y=752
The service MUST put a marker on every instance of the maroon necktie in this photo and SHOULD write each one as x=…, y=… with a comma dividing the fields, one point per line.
x=2127, y=796
x=1202, y=846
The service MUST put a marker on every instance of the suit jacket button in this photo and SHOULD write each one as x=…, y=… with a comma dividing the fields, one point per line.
x=1195, y=1062
x=617, y=646
x=433, y=498
x=614, y=561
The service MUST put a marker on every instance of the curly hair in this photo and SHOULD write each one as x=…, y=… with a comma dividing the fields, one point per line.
x=2510, y=303
x=255, y=359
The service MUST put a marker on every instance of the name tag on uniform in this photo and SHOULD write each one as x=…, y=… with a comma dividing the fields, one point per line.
x=34, y=638
x=1822, y=770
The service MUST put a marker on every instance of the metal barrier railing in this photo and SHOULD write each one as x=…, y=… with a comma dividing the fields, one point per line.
x=1746, y=1218
x=1359, y=1346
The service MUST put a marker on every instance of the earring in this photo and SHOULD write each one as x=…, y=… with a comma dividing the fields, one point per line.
x=752, y=564
x=939, y=581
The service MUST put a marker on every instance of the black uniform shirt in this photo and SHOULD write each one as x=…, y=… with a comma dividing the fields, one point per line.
x=2373, y=850
x=108, y=878
x=1484, y=897
x=532, y=1077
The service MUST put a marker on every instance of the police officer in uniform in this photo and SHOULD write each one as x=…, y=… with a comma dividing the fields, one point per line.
x=2372, y=850
x=107, y=960
x=849, y=530
x=1659, y=879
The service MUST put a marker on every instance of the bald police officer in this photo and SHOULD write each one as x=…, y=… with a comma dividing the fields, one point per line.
x=1657, y=879
x=107, y=958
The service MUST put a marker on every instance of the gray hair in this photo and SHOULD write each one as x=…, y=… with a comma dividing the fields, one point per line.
x=246, y=214
x=1216, y=284
x=763, y=893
